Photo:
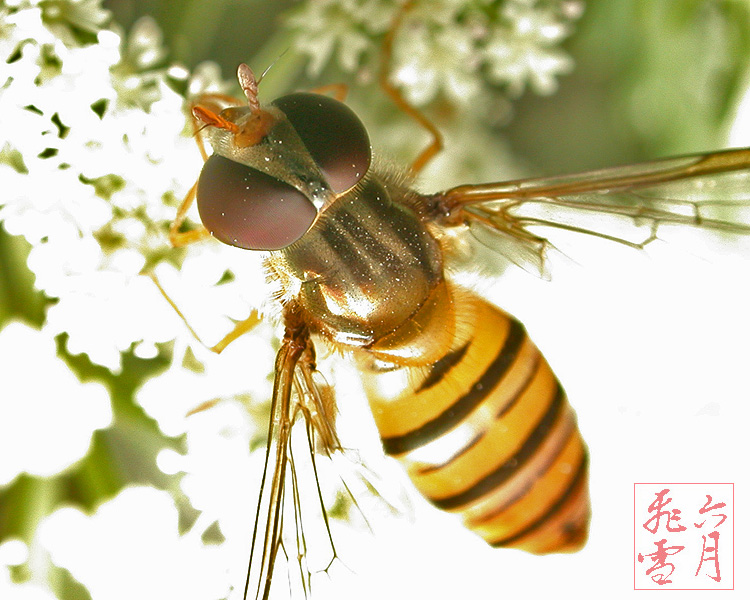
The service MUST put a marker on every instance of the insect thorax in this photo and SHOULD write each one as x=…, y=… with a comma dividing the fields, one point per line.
x=370, y=275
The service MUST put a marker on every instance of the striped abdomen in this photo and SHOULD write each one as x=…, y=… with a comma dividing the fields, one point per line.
x=487, y=432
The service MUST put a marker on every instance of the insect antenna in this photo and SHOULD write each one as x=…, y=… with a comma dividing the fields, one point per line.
x=269, y=67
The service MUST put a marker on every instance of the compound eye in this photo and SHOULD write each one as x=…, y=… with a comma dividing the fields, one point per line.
x=333, y=135
x=244, y=207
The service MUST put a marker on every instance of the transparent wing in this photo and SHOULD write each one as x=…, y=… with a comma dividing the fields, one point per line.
x=632, y=205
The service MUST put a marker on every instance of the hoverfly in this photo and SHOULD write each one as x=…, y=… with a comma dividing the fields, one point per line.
x=361, y=263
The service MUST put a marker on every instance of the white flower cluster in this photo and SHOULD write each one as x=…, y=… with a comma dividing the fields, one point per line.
x=30, y=417
x=46, y=200
x=150, y=559
x=84, y=165
x=12, y=554
x=95, y=156
x=344, y=29
x=524, y=51
x=96, y=159
x=445, y=47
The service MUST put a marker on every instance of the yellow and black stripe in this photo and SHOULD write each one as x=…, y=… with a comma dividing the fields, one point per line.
x=487, y=432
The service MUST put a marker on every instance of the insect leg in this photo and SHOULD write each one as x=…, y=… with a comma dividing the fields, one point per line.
x=182, y=238
x=240, y=328
x=436, y=145
x=296, y=340
x=317, y=401
x=208, y=107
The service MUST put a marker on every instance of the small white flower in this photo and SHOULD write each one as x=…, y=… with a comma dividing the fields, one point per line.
x=69, y=20
x=221, y=435
x=429, y=62
x=93, y=175
x=206, y=79
x=441, y=47
x=42, y=406
x=144, y=48
x=341, y=28
x=212, y=378
x=14, y=553
x=134, y=540
x=525, y=51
